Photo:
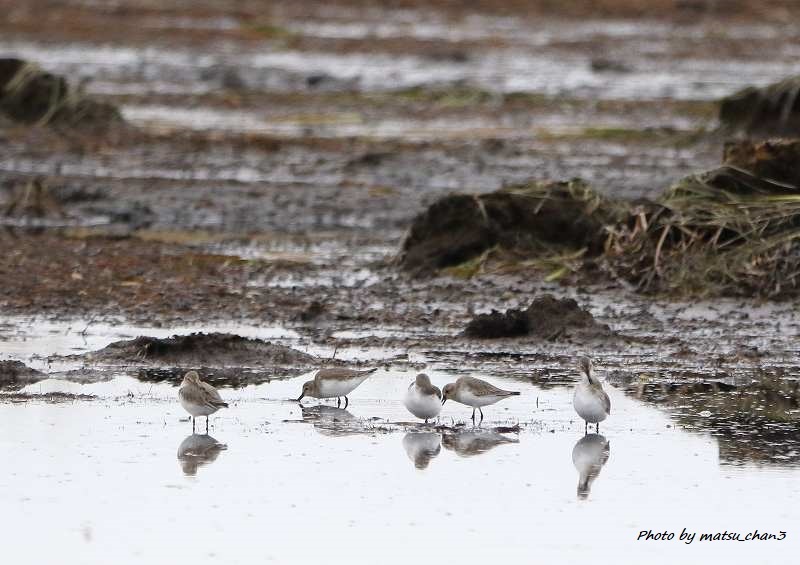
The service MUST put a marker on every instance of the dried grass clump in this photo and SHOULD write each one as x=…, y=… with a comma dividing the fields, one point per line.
x=31, y=95
x=726, y=231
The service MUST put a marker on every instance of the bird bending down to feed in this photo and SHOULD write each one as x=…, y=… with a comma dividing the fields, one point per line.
x=423, y=399
x=590, y=400
x=334, y=383
x=475, y=392
x=199, y=398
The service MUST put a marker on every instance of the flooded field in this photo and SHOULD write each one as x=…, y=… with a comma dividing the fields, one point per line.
x=270, y=165
x=526, y=483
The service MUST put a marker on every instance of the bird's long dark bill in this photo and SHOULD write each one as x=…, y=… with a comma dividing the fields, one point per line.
x=300, y=397
x=443, y=401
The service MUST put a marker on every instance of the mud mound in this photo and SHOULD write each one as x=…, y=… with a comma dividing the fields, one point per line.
x=772, y=109
x=31, y=95
x=540, y=219
x=199, y=349
x=772, y=160
x=547, y=318
x=16, y=374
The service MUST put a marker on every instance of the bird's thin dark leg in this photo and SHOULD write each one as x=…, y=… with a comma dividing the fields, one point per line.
x=346, y=402
x=338, y=402
x=481, y=411
x=206, y=425
x=192, y=417
x=585, y=427
x=473, y=415
x=597, y=427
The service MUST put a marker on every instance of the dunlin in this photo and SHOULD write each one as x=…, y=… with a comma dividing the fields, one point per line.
x=199, y=398
x=589, y=455
x=590, y=400
x=421, y=447
x=423, y=399
x=335, y=383
x=475, y=392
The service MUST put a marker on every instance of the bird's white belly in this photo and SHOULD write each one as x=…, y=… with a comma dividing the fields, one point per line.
x=588, y=406
x=197, y=409
x=333, y=389
x=477, y=401
x=422, y=405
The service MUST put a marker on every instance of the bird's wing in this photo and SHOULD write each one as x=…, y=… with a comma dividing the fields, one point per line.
x=606, y=402
x=211, y=395
x=482, y=388
x=336, y=373
x=195, y=395
x=430, y=389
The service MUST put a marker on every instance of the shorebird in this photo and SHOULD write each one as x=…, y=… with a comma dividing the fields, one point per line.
x=422, y=447
x=589, y=455
x=475, y=392
x=590, y=400
x=335, y=383
x=199, y=398
x=423, y=399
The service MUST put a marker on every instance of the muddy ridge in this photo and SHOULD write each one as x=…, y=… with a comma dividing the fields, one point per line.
x=547, y=318
x=197, y=349
x=15, y=375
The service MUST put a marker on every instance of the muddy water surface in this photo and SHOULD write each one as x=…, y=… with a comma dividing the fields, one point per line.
x=121, y=475
x=94, y=454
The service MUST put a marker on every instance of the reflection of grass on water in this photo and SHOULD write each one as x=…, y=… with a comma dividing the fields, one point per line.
x=756, y=421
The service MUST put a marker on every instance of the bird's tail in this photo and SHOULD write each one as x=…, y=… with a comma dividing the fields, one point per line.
x=513, y=392
x=369, y=371
x=221, y=404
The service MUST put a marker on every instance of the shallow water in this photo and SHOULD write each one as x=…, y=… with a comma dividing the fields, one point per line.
x=118, y=475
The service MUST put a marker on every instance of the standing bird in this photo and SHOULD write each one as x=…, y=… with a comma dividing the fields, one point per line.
x=476, y=393
x=590, y=401
x=334, y=383
x=199, y=398
x=423, y=399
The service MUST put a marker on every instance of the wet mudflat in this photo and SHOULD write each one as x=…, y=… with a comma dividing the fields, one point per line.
x=271, y=166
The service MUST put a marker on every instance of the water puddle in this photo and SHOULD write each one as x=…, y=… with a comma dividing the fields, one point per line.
x=88, y=471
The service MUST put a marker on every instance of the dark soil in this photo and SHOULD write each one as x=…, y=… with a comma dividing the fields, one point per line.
x=15, y=375
x=199, y=349
x=533, y=218
x=777, y=160
x=772, y=110
x=546, y=318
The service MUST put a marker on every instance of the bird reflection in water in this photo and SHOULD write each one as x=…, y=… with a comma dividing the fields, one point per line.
x=422, y=447
x=198, y=450
x=475, y=442
x=589, y=455
x=331, y=421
